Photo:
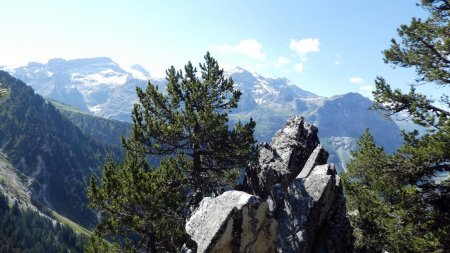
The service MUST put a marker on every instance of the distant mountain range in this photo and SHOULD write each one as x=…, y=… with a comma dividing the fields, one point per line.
x=96, y=85
x=100, y=87
x=50, y=144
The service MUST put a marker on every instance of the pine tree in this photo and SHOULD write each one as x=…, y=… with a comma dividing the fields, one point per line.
x=192, y=120
x=385, y=213
x=425, y=47
x=186, y=128
x=410, y=212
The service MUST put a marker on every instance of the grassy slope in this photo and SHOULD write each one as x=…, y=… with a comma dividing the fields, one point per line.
x=77, y=228
x=65, y=107
x=14, y=184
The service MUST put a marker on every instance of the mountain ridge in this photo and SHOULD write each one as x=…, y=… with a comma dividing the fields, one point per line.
x=43, y=144
x=108, y=90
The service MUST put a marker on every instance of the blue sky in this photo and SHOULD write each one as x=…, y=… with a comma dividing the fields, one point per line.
x=324, y=46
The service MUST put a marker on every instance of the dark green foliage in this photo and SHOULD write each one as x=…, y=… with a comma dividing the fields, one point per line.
x=387, y=213
x=27, y=231
x=97, y=244
x=42, y=143
x=102, y=130
x=400, y=203
x=144, y=208
x=192, y=120
x=424, y=46
x=142, y=205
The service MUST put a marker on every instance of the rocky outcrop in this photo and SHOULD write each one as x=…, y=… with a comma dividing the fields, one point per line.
x=235, y=222
x=293, y=202
x=284, y=159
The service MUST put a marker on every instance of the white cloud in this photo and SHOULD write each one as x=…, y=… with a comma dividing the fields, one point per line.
x=260, y=65
x=305, y=46
x=224, y=49
x=250, y=48
x=366, y=90
x=281, y=61
x=356, y=80
x=338, y=61
x=299, y=67
x=302, y=48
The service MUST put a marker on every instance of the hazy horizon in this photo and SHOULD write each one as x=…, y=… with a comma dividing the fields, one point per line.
x=327, y=48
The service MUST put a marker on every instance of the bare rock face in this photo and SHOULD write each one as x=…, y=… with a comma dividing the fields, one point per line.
x=317, y=157
x=305, y=209
x=294, y=143
x=282, y=161
x=233, y=222
x=294, y=202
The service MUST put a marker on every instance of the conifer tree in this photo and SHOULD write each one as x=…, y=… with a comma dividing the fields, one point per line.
x=386, y=214
x=191, y=119
x=425, y=47
x=186, y=129
x=410, y=212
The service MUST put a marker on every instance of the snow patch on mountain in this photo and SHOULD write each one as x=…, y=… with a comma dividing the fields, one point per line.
x=263, y=87
x=138, y=72
x=108, y=77
x=102, y=87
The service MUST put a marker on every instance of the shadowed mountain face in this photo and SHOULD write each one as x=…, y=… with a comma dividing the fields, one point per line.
x=44, y=145
x=350, y=114
x=101, y=87
x=340, y=119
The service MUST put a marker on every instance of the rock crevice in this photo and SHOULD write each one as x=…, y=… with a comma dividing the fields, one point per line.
x=293, y=202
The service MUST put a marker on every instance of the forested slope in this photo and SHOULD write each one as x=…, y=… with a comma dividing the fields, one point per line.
x=45, y=145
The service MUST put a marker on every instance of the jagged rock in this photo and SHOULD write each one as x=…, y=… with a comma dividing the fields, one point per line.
x=318, y=156
x=306, y=207
x=233, y=222
x=298, y=204
x=269, y=171
x=186, y=249
x=282, y=161
x=335, y=233
x=294, y=144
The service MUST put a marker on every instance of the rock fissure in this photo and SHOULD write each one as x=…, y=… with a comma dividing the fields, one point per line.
x=293, y=202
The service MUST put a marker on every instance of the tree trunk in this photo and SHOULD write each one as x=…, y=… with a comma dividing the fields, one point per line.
x=196, y=171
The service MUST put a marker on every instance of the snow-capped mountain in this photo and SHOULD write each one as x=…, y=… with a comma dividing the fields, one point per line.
x=102, y=87
x=277, y=93
x=96, y=85
x=341, y=119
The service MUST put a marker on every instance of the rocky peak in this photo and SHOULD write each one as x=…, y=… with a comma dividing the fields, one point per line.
x=141, y=69
x=284, y=158
x=294, y=202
